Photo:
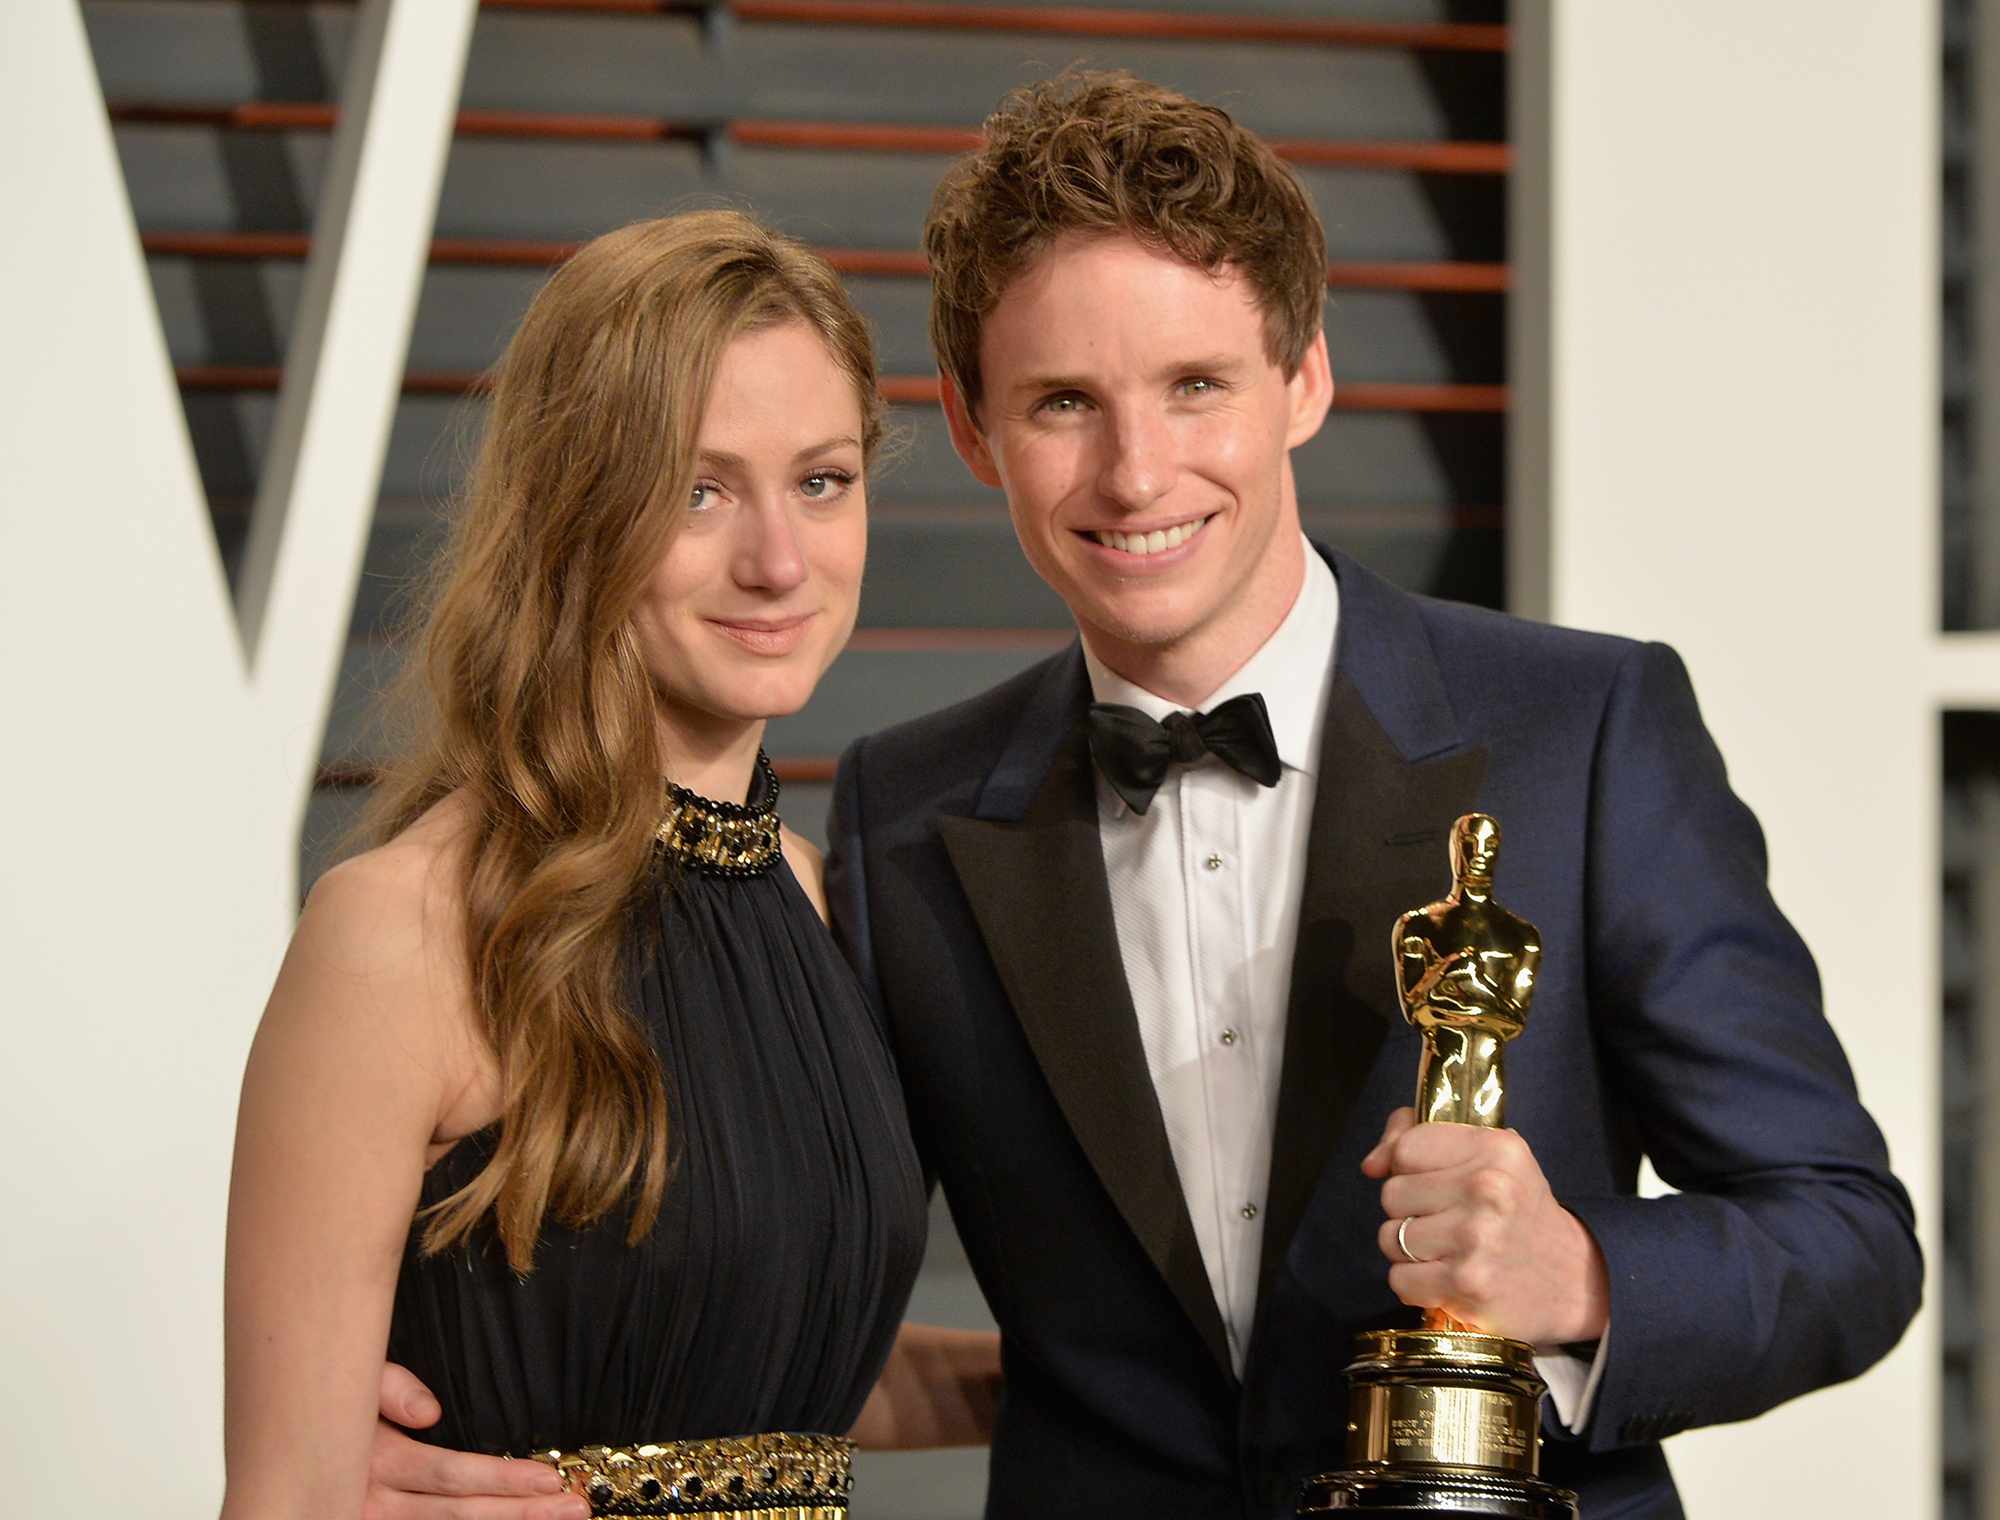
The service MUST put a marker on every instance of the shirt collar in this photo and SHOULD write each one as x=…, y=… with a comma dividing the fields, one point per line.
x=1293, y=669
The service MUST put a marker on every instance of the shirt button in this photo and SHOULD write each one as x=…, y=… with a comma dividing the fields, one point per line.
x=1214, y=862
x=1228, y=1037
x=1249, y=1211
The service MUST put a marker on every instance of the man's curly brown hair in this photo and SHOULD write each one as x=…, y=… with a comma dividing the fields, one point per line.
x=1094, y=151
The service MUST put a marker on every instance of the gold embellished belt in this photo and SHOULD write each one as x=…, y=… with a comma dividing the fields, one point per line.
x=767, y=1477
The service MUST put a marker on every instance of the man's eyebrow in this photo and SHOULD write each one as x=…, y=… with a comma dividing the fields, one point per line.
x=1204, y=364
x=1200, y=364
x=1036, y=385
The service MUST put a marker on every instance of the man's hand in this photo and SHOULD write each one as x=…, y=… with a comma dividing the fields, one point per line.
x=1492, y=1246
x=940, y=1388
x=408, y=1480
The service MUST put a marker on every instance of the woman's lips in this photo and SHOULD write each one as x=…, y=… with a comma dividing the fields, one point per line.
x=769, y=636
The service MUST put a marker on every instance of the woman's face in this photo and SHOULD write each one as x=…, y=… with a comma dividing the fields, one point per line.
x=758, y=588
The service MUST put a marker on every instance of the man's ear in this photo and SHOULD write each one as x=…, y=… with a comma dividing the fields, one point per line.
x=1311, y=389
x=966, y=437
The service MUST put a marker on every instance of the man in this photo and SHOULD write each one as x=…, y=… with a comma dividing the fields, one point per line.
x=1137, y=963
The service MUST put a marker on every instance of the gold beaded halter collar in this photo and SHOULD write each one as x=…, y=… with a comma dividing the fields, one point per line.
x=724, y=838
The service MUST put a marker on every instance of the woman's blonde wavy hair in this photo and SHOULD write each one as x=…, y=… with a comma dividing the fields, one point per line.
x=534, y=705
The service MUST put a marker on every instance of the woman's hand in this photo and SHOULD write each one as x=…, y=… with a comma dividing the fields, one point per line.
x=410, y=1480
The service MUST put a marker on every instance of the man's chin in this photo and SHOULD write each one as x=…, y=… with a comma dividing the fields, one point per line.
x=1142, y=637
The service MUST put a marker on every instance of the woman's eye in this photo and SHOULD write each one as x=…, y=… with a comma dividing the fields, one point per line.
x=698, y=499
x=823, y=485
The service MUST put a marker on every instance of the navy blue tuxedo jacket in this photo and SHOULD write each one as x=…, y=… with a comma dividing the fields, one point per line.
x=1677, y=1017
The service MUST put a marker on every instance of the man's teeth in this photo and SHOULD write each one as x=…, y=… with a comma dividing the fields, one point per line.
x=1151, y=543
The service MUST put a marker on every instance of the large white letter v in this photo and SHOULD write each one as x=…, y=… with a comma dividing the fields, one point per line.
x=154, y=779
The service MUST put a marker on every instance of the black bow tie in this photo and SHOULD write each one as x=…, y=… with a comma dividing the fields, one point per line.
x=1133, y=752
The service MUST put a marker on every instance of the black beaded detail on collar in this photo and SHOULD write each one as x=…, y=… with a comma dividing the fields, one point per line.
x=724, y=838
x=762, y=1477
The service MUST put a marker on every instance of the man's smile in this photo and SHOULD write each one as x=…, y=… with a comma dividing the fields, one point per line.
x=1142, y=542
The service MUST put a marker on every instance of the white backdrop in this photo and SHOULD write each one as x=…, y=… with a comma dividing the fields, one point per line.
x=1727, y=369
x=1726, y=437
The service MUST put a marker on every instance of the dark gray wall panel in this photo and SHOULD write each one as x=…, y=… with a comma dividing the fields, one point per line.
x=644, y=65
x=429, y=442
x=933, y=77
x=204, y=179
x=227, y=311
x=198, y=51
x=431, y=445
x=1394, y=335
x=523, y=188
x=662, y=65
x=1367, y=459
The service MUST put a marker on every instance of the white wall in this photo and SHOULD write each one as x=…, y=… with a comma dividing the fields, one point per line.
x=153, y=784
x=1727, y=369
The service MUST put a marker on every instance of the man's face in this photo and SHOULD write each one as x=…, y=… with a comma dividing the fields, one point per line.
x=1142, y=436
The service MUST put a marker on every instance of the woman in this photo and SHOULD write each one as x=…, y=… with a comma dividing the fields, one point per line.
x=577, y=1013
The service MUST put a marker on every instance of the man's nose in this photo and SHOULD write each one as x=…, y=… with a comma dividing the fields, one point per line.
x=1139, y=463
x=768, y=556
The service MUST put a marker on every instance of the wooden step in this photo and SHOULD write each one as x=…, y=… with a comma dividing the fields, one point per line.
x=809, y=136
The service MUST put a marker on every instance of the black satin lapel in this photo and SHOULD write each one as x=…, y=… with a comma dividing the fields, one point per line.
x=1038, y=890
x=1377, y=847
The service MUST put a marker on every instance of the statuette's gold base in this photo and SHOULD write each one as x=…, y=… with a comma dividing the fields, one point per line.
x=1439, y=1423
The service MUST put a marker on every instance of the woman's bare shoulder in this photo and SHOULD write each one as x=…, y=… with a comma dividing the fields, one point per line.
x=388, y=910
x=381, y=944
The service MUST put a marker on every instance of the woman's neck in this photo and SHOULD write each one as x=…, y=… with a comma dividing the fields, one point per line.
x=714, y=759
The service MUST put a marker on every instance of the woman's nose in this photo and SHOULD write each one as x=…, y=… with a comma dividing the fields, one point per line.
x=768, y=555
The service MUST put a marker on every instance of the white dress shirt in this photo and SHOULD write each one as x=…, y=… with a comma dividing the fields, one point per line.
x=1205, y=889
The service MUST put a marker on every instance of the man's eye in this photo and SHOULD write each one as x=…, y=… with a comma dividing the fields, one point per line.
x=1197, y=385
x=1066, y=402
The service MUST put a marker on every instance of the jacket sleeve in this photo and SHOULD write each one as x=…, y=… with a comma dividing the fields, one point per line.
x=1787, y=1259
x=847, y=874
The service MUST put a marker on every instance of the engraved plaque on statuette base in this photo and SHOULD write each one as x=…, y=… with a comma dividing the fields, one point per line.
x=1441, y=1424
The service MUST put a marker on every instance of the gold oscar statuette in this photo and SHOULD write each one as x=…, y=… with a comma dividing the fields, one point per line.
x=1445, y=1420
